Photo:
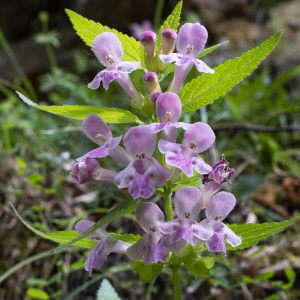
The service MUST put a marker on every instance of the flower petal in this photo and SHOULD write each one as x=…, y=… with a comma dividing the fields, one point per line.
x=231, y=238
x=109, y=76
x=147, y=214
x=156, y=253
x=108, y=245
x=121, y=247
x=83, y=225
x=188, y=200
x=93, y=85
x=194, y=35
x=93, y=126
x=93, y=261
x=166, y=59
x=201, y=135
x=159, y=174
x=200, y=165
x=138, y=249
x=201, y=66
x=183, y=233
x=175, y=157
x=216, y=243
x=168, y=107
x=102, y=151
x=220, y=206
x=140, y=140
x=168, y=227
x=107, y=45
x=127, y=66
x=174, y=247
x=157, y=127
x=201, y=232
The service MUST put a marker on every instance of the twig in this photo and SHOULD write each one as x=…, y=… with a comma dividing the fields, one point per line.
x=255, y=127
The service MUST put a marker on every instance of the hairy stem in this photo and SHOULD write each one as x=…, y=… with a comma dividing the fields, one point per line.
x=168, y=203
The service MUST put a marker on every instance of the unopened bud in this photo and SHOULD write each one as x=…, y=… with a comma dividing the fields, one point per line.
x=148, y=39
x=154, y=95
x=151, y=81
x=168, y=38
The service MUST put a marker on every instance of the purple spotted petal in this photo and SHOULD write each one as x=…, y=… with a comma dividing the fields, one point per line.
x=93, y=261
x=127, y=66
x=156, y=253
x=188, y=201
x=201, y=66
x=141, y=177
x=183, y=233
x=140, y=140
x=102, y=151
x=96, y=129
x=108, y=49
x=96, y=81
x=168, y=107
x=109, y=76
x=138, y=249
x=201, y=135
x=201, y=232
x=216, y=243
x=220, y=206
x=83, y=225
x=194, y=35
x=147, y=214
x=174, y=156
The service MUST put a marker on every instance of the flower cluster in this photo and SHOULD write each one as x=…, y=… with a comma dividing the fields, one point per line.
x=144, y=171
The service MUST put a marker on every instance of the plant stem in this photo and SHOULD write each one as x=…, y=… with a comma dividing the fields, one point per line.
x=176, y=282
x=168, y=203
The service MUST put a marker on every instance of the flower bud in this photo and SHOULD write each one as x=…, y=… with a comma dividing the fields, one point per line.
x=168, y=38
x=151, y=81
x=154, y=95
x=89, y=170
x=148, y=39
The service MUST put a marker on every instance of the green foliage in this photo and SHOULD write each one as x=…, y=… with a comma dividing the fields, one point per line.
x=37, y=294
x=171, y=67
x=201, y=268
x=146, y=273
x=253, y=233
x=107, y=292
x=208, y=87
x=88, y=30
x=124, y=208
x=109, y=115
x=128, y=238
x=172, y=22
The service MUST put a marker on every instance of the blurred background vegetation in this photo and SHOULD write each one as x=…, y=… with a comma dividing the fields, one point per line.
x=257, y=128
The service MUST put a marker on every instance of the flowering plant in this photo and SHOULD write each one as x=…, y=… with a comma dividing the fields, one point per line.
x=155, y=161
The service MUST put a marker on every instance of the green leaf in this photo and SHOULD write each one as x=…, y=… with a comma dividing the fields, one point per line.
x=252, y=234
x=37, y=294
x=126, y=207
x=172, y=22
x=107, y=292
x=128, y=238
x=88, y=30
x=79, y=112
x=206, y=88
x=170, y=69
x=59, y=236
x=146, y=273
x=199, y=269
